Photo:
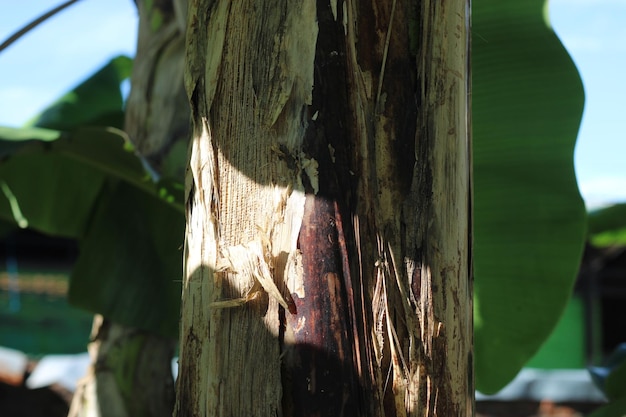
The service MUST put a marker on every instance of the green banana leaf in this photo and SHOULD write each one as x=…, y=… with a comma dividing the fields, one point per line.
x=14, y=138
x=529, y=218
x=49, y=193
x=86, y=182
x=53, y=178
x=130, y=261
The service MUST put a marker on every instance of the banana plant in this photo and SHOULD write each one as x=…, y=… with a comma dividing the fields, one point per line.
x=72, y=172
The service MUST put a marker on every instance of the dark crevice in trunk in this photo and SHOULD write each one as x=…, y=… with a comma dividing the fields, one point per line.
x=323, y=367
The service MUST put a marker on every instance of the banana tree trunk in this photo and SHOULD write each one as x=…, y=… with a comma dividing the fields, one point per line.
x=130, y=373
x=328, y=244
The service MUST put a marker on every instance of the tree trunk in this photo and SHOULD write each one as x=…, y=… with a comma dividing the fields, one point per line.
x=130, y=373
x=328, y=247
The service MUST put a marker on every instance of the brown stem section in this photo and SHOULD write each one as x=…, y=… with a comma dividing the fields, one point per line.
x=320, y=363
x=327, y=364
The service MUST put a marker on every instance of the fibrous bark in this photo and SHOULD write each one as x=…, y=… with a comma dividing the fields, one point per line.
x=130, y=374
x=328, y=228
x=157, y=113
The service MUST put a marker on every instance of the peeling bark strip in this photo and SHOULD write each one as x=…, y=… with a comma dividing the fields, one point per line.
x=329, y=176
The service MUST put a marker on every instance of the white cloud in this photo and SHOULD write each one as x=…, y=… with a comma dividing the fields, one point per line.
x=602, y=191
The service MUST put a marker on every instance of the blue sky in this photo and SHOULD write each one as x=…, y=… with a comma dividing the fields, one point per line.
x=51, y=59
x=55, y=56
x=594, y=32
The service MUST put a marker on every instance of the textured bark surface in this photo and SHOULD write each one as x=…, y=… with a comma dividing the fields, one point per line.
x=244, y=198
x=130, y=374
x=327, y=259
x=157, y=110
